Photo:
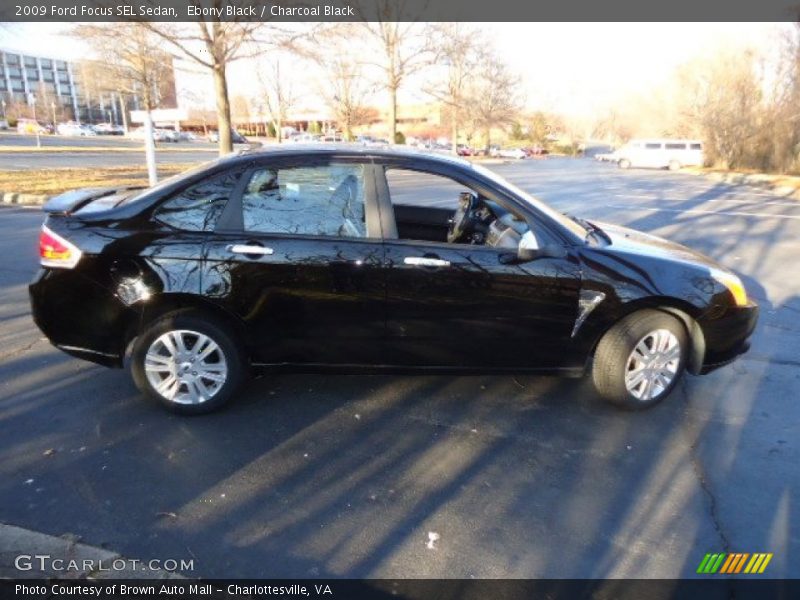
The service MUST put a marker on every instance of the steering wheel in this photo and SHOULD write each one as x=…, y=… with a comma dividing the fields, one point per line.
x=461, y=221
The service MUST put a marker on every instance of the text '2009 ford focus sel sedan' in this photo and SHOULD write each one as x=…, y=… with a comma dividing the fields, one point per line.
x=349, y=258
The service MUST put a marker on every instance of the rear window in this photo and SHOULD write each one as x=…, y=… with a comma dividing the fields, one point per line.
x=674, y=146
x=199, y=207
x=653, y=146
x=697, y=146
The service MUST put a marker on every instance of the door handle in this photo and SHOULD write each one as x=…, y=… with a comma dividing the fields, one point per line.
x=249, y=249
x=425, y=261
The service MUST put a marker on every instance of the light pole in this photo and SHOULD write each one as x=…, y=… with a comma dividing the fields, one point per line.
x=3, y=103
x=32, y=104
x=53, y=107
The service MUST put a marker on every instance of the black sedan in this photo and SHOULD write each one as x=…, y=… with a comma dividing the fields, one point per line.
x=319, y=258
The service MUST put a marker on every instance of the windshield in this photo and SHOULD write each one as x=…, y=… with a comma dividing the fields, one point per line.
x=572, y=226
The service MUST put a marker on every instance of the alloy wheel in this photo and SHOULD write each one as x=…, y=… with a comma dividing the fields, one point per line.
x=653, y=365
x=185, y=367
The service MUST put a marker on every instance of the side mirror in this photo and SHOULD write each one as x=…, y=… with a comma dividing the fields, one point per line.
x=529, y=249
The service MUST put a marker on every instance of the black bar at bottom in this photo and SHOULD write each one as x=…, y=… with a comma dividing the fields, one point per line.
x=711, y=588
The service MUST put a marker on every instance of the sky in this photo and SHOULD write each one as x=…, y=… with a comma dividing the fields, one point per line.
x=571, y=68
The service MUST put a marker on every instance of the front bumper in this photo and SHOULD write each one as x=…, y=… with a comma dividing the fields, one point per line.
x=727, y=337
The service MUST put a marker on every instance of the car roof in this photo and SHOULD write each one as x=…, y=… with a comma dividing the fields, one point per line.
x=353, y=149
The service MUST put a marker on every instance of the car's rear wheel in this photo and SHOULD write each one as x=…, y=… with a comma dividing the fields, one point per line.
x=640, y=360
x=188, y=362
x=674, y=165
x=624, y=163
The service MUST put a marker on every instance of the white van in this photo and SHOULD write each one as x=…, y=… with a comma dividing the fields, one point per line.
x=660, y=154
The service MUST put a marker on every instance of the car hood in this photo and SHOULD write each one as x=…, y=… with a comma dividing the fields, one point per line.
x=631, y=241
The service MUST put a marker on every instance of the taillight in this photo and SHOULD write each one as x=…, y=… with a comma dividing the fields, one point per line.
x=55, y=251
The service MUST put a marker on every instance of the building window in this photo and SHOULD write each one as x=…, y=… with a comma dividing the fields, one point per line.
x=30, y=61
x=61, y=65
x=33, y=74
x=12, y=59
x=46, y=63
x=47, y=75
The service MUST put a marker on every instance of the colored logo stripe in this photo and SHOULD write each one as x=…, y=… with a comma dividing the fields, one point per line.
x=734, y=563
x=710, y=563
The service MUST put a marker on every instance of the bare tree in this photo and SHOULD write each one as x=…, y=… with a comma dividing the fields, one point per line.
x=135, y=59
x=402, y=50
x=213, y=44
x=277, y=94
x=493, y=96
x=723, y=97
x=456, y=49
x=344, y=86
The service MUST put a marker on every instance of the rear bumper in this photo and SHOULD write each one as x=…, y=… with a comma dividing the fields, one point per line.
x=727, y=337
x=78, y=315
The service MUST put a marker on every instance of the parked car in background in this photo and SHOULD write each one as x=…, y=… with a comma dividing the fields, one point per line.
x=305, y=138
x=108, y=129
x=535, y=151
x=464, y=150
x=167, y=135
x=159, y=135
x=236, y=137
x=515, y=153
x=606, y=157
x=660, y=154
x=304, y=257
x=4, y=125
x=75, y=129
x=30, y=127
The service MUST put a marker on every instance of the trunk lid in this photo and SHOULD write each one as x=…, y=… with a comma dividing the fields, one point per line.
x=88, y=200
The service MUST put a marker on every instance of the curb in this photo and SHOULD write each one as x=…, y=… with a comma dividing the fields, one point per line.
x=29, y=199
x=26, y=548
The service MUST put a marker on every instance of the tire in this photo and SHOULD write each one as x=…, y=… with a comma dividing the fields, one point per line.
x=674, y=165
x=188, y=390
x=625, y=375
x=624, y=163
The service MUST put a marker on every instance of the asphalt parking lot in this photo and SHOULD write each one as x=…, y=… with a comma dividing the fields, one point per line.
x=350, y=476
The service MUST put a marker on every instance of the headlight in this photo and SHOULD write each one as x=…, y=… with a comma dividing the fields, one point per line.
x=733, y=283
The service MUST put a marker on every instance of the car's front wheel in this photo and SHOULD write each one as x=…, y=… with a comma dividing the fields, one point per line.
x=640, y=360
x=188, y=362
x=624, y=164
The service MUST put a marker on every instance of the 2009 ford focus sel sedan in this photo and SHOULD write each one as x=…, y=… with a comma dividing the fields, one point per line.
x=348, y=258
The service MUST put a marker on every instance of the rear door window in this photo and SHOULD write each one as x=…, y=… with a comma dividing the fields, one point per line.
x=325, y=200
